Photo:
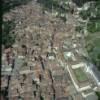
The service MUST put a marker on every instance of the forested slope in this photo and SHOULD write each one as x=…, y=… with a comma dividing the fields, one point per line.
x=93, y=28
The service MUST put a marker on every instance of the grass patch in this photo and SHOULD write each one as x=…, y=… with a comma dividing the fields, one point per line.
x=98, y=94
x=93, y=26
x=80, y=75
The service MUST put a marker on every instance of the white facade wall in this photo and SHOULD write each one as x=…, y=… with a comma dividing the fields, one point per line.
x=78, y=65
x=85, y=95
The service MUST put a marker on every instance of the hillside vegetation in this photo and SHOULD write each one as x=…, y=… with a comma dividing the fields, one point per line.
x=93, y=28
x=8, y=35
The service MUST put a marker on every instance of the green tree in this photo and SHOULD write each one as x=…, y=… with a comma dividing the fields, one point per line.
x=93, y=28
x=8, y=36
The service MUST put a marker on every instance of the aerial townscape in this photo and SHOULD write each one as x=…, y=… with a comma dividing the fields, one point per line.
x=50, y=50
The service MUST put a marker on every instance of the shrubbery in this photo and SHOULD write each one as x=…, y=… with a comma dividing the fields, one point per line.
x=93, y=28
x=8, y=36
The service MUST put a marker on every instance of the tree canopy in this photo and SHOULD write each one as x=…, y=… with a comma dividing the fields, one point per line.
x=8, y=36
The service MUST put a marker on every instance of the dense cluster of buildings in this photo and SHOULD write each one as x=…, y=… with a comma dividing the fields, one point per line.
x=47, y=60
x=84, y=75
